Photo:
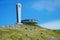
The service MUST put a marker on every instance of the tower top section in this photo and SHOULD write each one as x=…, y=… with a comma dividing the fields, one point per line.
x=18, y=4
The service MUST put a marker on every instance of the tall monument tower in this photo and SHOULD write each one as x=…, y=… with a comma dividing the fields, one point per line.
x=18, y=10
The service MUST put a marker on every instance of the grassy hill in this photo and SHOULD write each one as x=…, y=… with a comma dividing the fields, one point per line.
x=27, y=32
x=57, y=32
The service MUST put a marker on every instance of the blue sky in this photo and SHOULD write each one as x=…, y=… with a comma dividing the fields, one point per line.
x=47, y=12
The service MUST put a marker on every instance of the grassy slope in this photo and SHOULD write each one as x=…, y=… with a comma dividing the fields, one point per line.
x=27, y=32
x=57, y=32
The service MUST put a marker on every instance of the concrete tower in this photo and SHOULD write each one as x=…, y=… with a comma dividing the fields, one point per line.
x=18, y=10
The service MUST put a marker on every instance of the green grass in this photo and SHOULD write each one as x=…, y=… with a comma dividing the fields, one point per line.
x=27, y=32
x=57, y=32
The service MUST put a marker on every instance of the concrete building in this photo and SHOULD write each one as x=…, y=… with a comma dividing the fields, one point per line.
x=29, y=21
x=26, y=21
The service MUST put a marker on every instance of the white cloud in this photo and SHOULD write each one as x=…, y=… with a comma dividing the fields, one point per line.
x=52, y=25
x=49, y=5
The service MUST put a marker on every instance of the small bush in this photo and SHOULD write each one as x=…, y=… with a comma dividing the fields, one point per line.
x=41, y=33
x=26, y=35
x=26, y=28
x=20, y=38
